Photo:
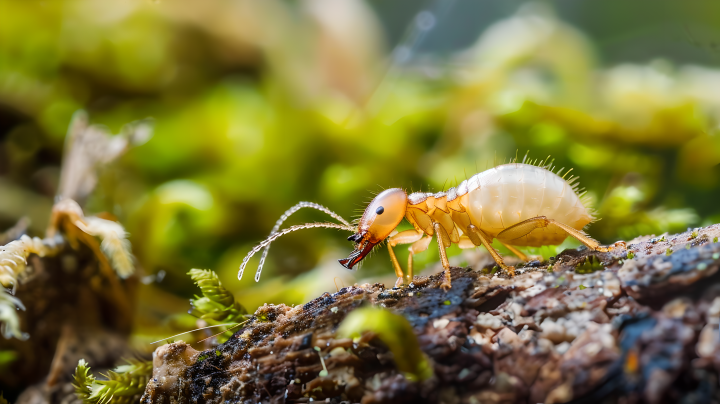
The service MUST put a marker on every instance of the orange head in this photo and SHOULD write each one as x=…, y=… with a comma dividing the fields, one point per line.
x=381, y=217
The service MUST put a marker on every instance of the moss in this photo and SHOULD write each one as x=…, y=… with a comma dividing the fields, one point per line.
x=590, y=264
x=217, y=304
x=121, y=386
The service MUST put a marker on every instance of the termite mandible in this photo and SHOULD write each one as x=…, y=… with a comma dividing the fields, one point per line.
x=519, y=204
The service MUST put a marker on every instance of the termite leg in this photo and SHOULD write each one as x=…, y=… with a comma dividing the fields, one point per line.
x=396, y=265
x=479, y=238
x=443, y=242
x=526, y=226
x=404, y=237
x=581, y=237
x=415, y=248
x=517, y=252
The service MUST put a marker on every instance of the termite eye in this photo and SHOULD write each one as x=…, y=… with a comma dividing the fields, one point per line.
x=380, y=210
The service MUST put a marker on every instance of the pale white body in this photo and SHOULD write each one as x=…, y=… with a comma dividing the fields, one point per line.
x=511, y=193
x=499, y=198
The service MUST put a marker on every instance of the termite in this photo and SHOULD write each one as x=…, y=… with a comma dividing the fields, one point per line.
x=518, y=204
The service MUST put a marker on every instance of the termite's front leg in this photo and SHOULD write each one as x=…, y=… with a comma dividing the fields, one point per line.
x=443, y=242
x=404, y=237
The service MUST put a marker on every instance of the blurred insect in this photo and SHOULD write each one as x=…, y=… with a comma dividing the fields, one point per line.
x=519, y=204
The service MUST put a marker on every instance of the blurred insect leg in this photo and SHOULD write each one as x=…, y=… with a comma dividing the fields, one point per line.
x=404, y=237
x=465, y=243
x=416, y=247
x=481, y=239
x=443, y=242
x=581, y=237
x=517, y=252
x=524, y=228
x=396, y=266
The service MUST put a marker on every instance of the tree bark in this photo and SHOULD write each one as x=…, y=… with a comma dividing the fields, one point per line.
x=632, y=325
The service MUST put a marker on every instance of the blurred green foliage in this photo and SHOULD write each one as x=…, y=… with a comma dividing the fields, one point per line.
x=259, y=105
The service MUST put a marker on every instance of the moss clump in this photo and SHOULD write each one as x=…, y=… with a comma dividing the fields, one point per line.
x=217, y=303
x=589, y=265
x=122, y=385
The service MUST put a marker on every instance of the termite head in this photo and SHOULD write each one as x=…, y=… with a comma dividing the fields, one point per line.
x=381, y=217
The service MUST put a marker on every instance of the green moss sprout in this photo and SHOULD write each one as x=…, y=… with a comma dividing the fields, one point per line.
x=121, y=387
x=217, y=303
x=589, y=264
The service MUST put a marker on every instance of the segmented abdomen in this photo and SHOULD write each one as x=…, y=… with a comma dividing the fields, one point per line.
x=499, y=198
x=511, y=193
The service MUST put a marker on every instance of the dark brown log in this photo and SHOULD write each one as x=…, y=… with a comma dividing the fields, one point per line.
x=641, y=329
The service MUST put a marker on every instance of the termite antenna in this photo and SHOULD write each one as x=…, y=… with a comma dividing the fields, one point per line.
x=277, y=235
x=188, y=332
x=286, y=215
x=222, y=332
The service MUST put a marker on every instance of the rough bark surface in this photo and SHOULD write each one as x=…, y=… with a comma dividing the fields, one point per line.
x=595, y=327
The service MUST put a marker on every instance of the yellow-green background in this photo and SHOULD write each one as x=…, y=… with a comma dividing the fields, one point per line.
x=261, y=104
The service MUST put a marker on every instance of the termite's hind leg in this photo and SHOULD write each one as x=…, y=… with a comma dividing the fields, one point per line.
x=480, y=239
x=517, y=252
x=527, y=226
x=443, y=242
x=581, y=237
x=404, y=237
